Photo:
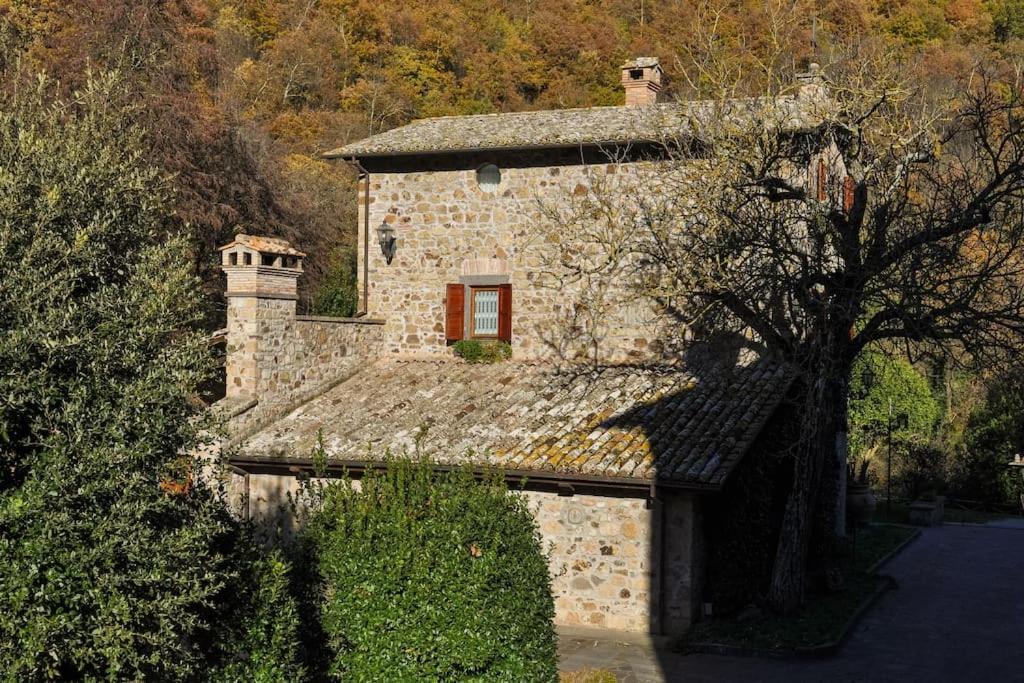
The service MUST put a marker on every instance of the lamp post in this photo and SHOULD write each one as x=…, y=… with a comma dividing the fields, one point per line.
x=387, y=240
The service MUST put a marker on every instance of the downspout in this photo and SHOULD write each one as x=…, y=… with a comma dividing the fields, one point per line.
x=364, y=176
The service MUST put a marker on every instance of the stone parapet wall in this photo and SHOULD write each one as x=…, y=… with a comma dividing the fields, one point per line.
x=280, y=359
x=443, y=220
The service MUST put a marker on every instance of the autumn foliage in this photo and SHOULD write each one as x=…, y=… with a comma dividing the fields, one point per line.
x=242, y=96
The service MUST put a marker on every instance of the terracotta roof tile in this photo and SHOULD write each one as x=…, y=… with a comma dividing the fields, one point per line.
x=606, y=126
x=675, y=425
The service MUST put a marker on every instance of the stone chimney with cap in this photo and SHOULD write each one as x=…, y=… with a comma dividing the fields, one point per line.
x=811, y=84
x=262, y=291
x=642, y=80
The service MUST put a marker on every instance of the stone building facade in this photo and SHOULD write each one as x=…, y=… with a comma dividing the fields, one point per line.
x=452, y=228
x=615, y=454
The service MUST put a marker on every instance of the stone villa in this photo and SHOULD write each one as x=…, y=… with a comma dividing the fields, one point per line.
x=619, y=441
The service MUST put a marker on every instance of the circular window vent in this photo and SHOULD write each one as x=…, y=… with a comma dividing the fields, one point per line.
x=488, y=177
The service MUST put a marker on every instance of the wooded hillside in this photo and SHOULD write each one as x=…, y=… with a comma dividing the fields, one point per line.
x=241, y=96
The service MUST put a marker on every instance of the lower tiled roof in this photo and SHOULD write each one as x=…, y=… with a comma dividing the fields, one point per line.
x=677, y=426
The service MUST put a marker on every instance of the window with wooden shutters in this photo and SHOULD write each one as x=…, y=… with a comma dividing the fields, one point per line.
x=455, y=308
x=848, y=193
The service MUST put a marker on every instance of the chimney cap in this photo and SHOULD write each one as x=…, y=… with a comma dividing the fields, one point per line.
x=642, y=63
x=810, y=84
x=812, y=75
x=266, y=245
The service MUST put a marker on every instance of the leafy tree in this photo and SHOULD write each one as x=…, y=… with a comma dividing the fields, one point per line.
x=995, y=433
x=1008, y=17
x=896, y=388
x=337, y=294
x=115, y=561
x=431, y=577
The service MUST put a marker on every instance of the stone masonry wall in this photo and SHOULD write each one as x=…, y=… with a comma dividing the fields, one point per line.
x=281, y=359
x=443, y=218
x=605, y=553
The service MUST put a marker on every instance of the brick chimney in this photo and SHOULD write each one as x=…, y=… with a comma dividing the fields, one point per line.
x=263, y=276
x=641, y=79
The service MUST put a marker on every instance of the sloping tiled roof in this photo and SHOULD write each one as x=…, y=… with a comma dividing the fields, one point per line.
x=606, y=126
x=679, y=427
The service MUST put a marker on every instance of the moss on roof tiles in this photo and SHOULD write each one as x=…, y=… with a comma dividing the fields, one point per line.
x=681, y=425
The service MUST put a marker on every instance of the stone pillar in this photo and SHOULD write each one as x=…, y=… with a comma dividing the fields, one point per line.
x=262, y=290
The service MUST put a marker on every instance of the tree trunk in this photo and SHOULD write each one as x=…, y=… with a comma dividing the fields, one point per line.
x=809, y=496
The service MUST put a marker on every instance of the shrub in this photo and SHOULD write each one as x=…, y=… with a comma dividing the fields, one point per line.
x=262, y=643
x=995, y=431
x=115, y=563
x=428, y=577
x=897, y=387
x=476, y=351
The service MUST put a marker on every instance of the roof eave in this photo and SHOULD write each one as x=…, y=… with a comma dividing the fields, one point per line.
x=342, y=153
x=338, y=468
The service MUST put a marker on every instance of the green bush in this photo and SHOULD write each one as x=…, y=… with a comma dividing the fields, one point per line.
x=897, y=386
x=263, y=643
x=115, y=562
x=476, y=351
x=994, y=433
x=338, y=293
x=431, y=577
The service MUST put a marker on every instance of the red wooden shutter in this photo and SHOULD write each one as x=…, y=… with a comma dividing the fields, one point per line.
x=455, y=311
x=848, y=188
x=822, y=181
x=505, y=312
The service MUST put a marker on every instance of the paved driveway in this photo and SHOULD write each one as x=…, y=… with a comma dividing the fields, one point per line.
x=958, y=615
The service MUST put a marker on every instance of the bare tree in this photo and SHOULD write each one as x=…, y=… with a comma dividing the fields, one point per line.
x=816, y=221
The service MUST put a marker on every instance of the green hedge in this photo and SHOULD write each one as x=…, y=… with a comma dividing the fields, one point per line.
x=426, y=577
x=115, y=562
x=338, y=294
x=262, y=642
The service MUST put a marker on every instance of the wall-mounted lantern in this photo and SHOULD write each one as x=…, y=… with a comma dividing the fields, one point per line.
x=388, y=241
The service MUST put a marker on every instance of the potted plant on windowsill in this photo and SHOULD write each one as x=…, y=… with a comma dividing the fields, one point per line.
x=482, y=351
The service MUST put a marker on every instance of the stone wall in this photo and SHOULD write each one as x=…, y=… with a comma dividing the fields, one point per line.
x=615, y=562
x=443, y=218
x=280, y=359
